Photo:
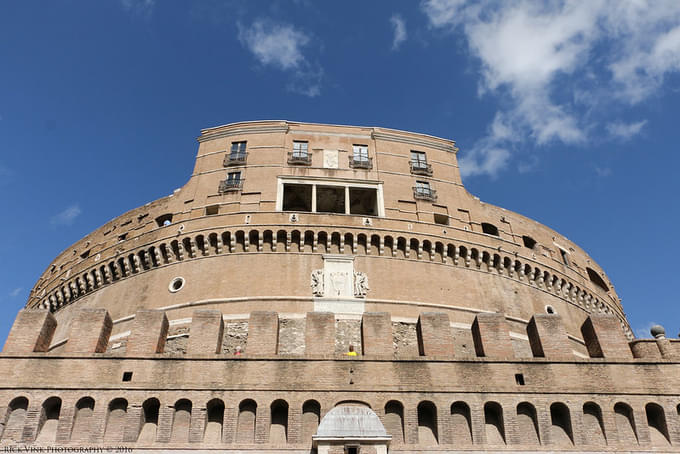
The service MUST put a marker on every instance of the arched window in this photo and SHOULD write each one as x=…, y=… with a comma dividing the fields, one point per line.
x=82, y=420
x=493, y=423
x=16, y=420
x=214, y=422
x=560, y=425
x=625, y=424
x=593, y=426
x=150, y=410
x=527, y=424
x=47, y=430
x=528, y=242
x=394, y=421
x=489, y=229
x=311, y=415
x=278, y=429
x=596, y=279
x=181, y=422
x=427, y=424
x=245, y=431
x=656, y=420
x=115, y=422
x=461, y=424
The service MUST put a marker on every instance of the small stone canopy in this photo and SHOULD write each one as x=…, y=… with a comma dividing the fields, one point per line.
x=351, y=423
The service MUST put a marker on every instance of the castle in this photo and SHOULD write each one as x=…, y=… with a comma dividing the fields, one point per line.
x=221, y=317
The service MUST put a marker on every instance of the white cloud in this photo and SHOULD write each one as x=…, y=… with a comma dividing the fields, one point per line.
x=14, y=293
x=625, y=131
x=399, y=27
x=642, y=332
x=67, y=216
x=144, y=7
x=553, y=64
x=280, y=46
x=603, y=171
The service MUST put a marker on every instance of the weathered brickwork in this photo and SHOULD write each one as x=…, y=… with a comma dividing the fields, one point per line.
x=221, y=318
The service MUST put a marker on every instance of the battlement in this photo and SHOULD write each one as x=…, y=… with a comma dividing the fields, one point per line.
x=34, y=329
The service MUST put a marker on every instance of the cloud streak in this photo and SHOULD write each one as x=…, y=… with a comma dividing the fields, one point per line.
x=544, y=61
x=14, y=293
x=67, y=216
x=399, y=29
x=281, y=46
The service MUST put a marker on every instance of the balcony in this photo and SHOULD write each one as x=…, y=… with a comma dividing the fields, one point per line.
x=230, y=186
x=235, y=159
x=360, y=162
x=421, y=168
x=421, y=193
x=299, y=159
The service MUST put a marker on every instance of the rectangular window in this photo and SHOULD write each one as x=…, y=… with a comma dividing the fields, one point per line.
x=234, y=177
x=330, y=197
x=238, y=150
x=423, y=188
x=418, y=159
x=360, y=153
x=297, y=197
x=300, y=149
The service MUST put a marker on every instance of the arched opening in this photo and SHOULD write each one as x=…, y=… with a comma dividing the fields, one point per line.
x=164, y=219
x=322, y=240
x=295, y=241
x=150, y=410
x=115, y=421
x=82, y=420
x=461, y=424
x=278, y=429
x=281, y=241
x=362, y=243
x=349, y=243
x=413, y=244
x=375, y=245
x=394, y=421
x=311, y=415
x=389, y=246
x=658, y=429
x=528, y=242
x=214, y=421
x=202, y=245
x=593, y=426
x=245, y=431
x=489, y=229
x=181, y=422
x=309, y=241
x=493, y=423
x=16, y=419
x=268, y=241
x=527, y=424
x=427, y=424
x=254, y=240
x=596, y=279
x=240, y=241
x=401, y=246
x=625, y=423
x=188, y=250
x=335, y=243
x=153, y=257
x=560, y=425
x=427, y=249
x=439, y=253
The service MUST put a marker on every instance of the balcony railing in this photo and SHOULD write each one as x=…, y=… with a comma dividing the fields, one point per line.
x=230, y=186
x=357, y=162
x=421, y=168
x=299, y=159
x=235, y=159
x=424, y=194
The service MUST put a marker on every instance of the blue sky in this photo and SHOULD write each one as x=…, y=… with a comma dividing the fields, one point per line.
x=566, y=112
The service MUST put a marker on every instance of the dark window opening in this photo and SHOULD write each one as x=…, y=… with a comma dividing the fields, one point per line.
x=165, y=219
x=212, y=210
x=363, y=201
x=122, y=237
x=519, y=379
x=442, y=219
x=596, y=279
x=351, y=450
x=297, y=197
x=127, y=376
x=565, y=257
x=529, y=242
x=549, y=309
x=85, y=254
x=330, y=199
x=238, y=149
x=489, y=229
